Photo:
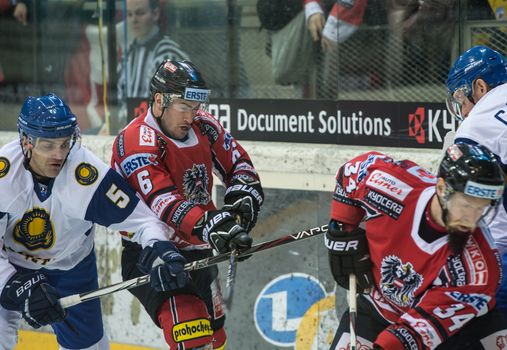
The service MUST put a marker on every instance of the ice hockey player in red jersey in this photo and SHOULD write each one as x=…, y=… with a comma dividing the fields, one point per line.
x=425, y=259
x=169, y=155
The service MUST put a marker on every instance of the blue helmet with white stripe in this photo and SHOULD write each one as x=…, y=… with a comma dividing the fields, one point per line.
x=47, y=117
x=479, y=62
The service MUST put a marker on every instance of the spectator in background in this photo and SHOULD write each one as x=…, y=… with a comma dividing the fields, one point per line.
x=343, y=19
x=422, y=33
x=147, y=50
x=17, y=8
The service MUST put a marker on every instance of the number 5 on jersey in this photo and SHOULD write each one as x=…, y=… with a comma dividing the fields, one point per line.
x=117, y=196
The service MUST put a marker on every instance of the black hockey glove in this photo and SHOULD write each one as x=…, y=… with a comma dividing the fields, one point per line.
x=37, y=300
x=220, y=230
x=165, y=265
x=349, y=254
x=244, y=200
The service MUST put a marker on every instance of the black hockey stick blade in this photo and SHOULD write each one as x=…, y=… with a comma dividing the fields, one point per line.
x=75, y=299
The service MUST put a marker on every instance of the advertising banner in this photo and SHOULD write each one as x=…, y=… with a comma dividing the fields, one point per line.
x=362, y=123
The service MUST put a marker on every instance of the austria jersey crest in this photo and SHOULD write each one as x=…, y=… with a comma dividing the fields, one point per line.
x=195, y=183
x=399, y=281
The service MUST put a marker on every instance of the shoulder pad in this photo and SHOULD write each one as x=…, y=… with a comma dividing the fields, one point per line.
x=208, y=125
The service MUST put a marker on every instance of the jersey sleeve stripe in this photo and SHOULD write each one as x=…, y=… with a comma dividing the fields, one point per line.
x=437, y=325
x=154, y=195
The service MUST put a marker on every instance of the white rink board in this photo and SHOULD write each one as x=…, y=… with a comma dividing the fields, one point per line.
x=307, y=167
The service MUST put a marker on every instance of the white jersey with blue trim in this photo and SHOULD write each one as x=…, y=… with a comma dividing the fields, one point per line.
x=486, y=124
x=55, y=230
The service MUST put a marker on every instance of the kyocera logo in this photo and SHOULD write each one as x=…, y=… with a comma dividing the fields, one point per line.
x=430, y=132
x=415, y=125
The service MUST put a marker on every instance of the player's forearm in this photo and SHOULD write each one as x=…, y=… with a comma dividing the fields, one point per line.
x=6, y=268
x=147, y=228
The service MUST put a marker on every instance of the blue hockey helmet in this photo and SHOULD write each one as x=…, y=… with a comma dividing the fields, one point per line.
x=47, y=117
x=478, y=62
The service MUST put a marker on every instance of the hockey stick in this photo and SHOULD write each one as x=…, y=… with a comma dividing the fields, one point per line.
x=352, y=310
x=231, y=279
x=75, y=299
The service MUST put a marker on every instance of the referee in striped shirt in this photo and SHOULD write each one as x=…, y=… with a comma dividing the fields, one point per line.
x=147, y=50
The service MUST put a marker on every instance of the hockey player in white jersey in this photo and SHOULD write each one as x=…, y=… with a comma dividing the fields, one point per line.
x=477, y=87
x=53, y=191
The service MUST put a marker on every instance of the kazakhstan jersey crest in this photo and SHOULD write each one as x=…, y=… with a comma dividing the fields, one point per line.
x=35, y=230
x=399, y=281
x=195, y=184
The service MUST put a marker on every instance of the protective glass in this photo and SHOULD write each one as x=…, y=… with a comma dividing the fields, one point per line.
x=186, y=106
x=202, y=102
x=455, y=101
x=46, y=146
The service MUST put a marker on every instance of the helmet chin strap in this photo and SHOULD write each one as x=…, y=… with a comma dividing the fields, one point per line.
x=443, y=203
x=159, y=119
x=443, y=207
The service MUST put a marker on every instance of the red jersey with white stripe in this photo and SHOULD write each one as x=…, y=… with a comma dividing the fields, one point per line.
x=174, y=177
x=426, y=292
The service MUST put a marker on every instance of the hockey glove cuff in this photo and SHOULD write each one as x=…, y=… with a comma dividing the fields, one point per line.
x=165, y=265
x=37, y=300
x=220, y=230
x=244, y=200
x=349, y=254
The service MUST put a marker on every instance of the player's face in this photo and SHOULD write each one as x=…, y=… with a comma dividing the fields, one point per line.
x=464, y=212
x=140, y=17
x=178, y=117
x=48, y=155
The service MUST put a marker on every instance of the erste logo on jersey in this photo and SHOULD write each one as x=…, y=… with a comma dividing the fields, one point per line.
x=137, y=161
x=146, y=136
x=478, y=301
x=35, y=230
x=5, y=166
x=399, y=281
x=86, y=174
x=389, y=185
x=195, y=184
